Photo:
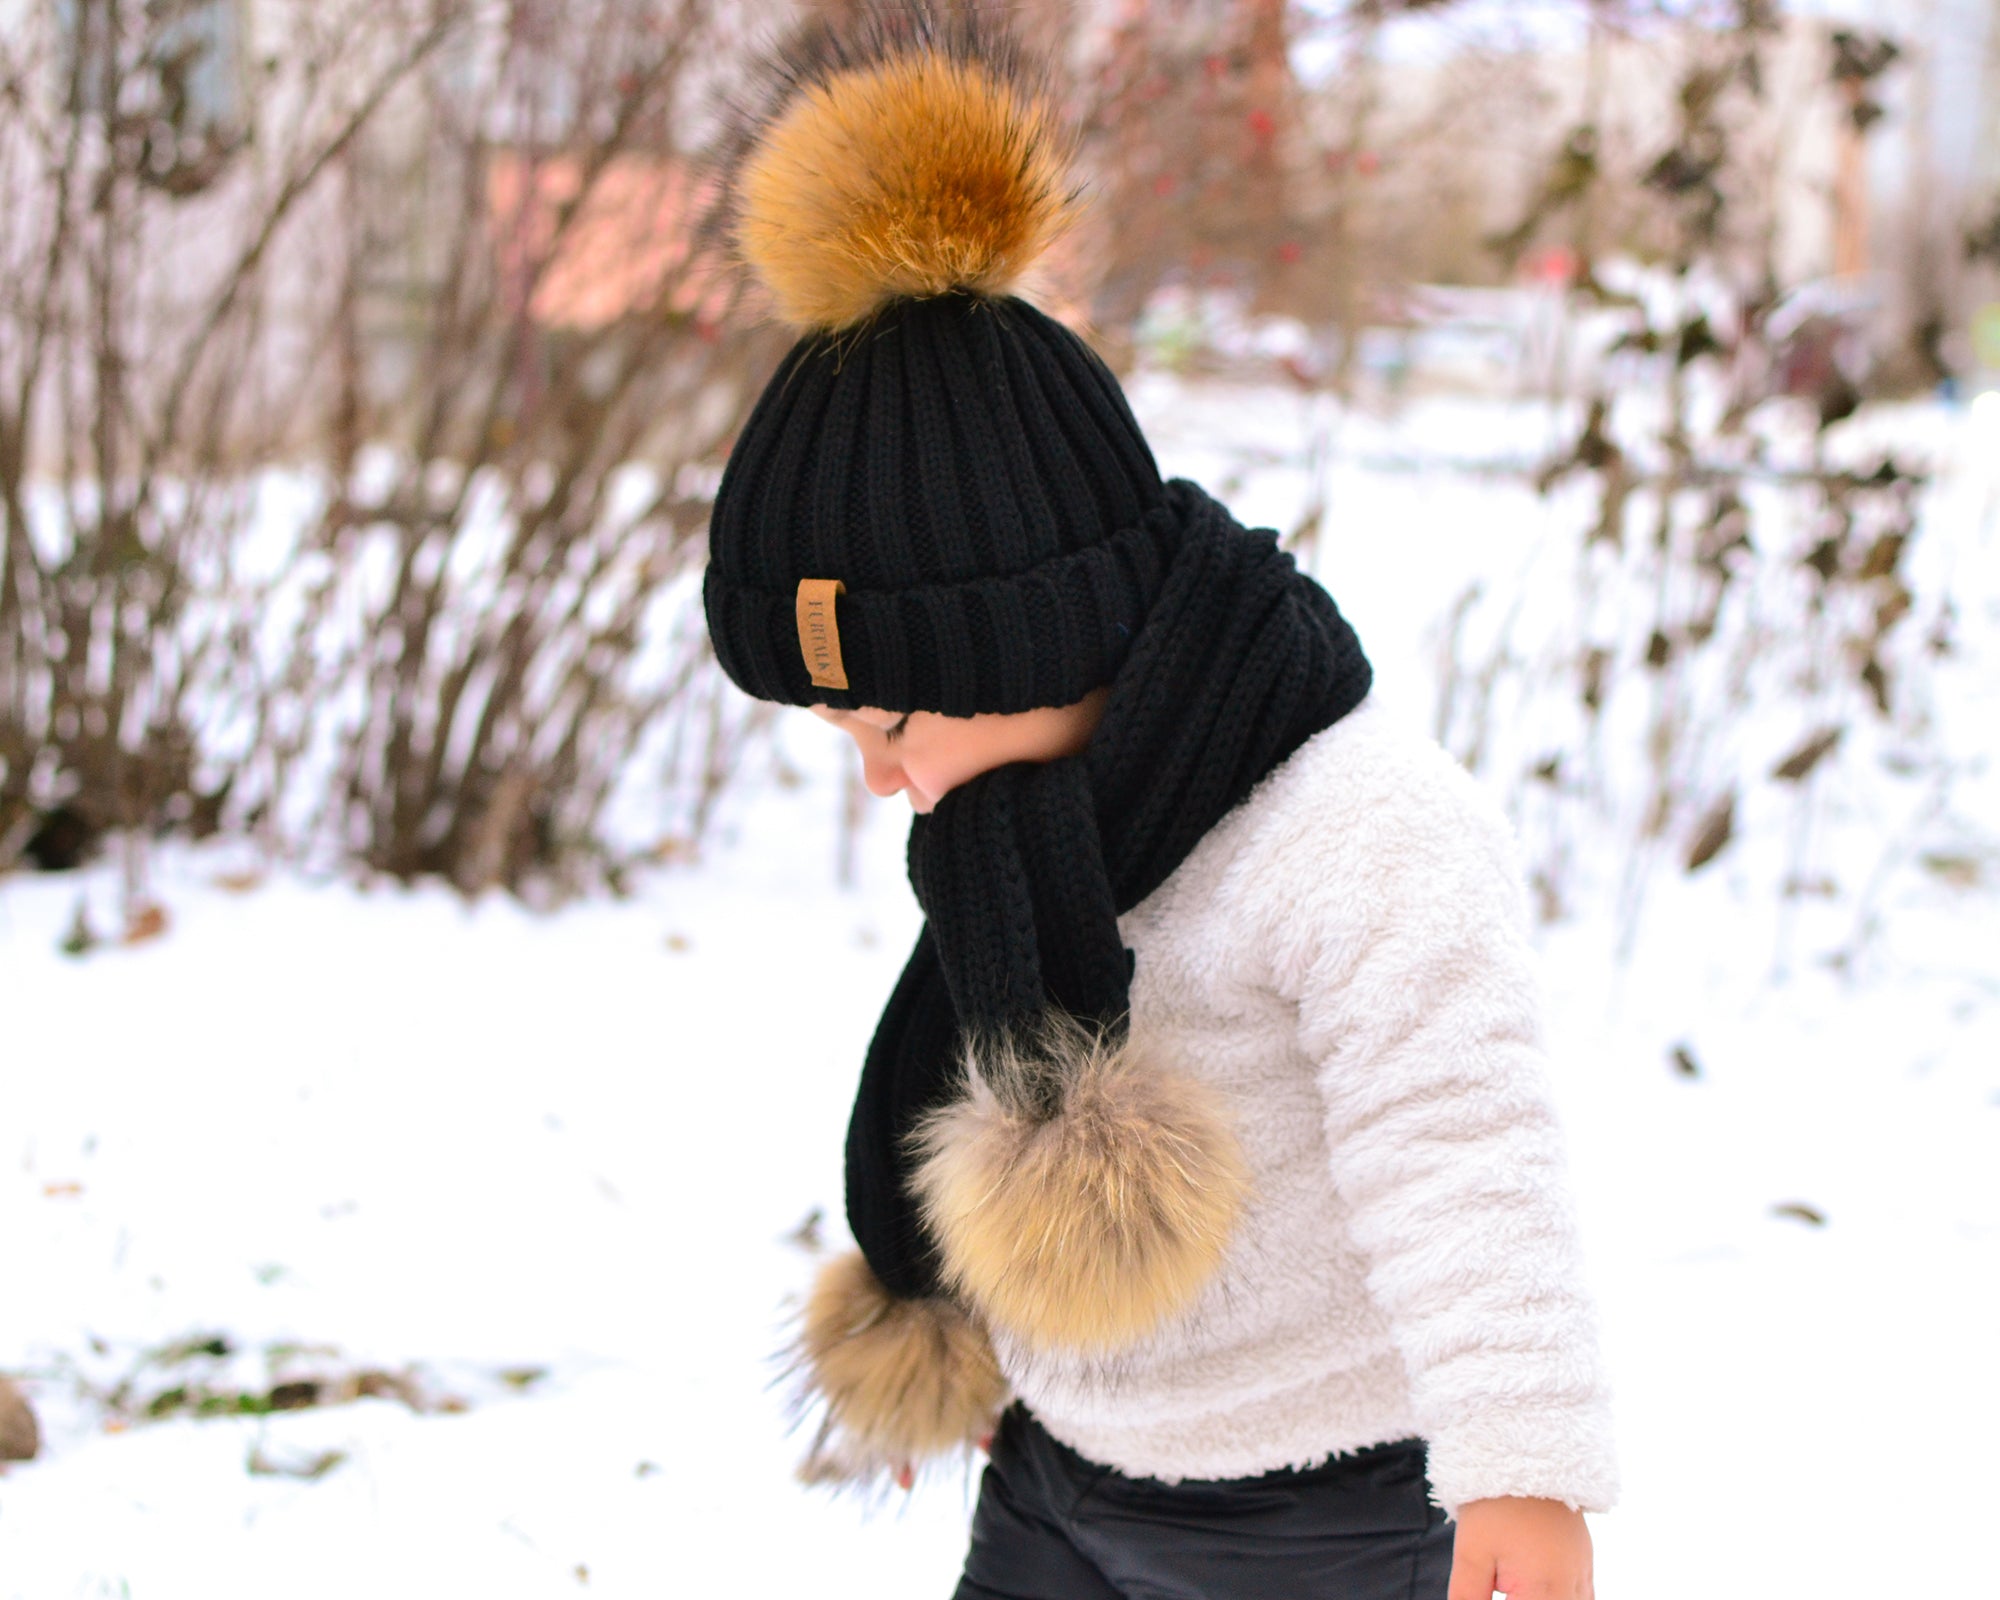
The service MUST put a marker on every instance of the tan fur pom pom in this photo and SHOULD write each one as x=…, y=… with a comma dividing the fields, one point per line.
x=20, y=1435
x=896, y=1382
x=911, y=176
x=1089, y=1229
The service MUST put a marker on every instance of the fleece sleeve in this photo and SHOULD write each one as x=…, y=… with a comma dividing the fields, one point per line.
x=1419, y=1005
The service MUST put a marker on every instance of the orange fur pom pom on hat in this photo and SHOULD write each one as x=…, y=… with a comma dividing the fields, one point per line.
x=922, y=164
x=904, y=173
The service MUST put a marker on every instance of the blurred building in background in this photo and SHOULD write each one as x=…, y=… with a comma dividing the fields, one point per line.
x=1315, y=160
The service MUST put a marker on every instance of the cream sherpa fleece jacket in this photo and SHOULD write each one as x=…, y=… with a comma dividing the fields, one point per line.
x=1344, y=958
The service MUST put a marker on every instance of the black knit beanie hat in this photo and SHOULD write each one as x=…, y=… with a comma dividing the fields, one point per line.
x=935, y=503
x=942, y=503
x=968, y=472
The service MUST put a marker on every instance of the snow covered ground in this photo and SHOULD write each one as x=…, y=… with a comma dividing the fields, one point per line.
x=528, y=1184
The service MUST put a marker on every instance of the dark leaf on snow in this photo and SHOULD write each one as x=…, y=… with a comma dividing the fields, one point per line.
x=1596, y=668
x=1959, y=870
x=1824, y=558
x=1883, y=556
x=1808, y=755
x=308, y=1469
x=1875, y=678
x=295, y=1395
x=1716, y=830
x=20, y=1435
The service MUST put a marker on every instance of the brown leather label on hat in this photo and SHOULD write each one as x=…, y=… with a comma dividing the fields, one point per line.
x=819, y=632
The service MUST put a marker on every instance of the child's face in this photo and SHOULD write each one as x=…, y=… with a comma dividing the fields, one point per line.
x=926, y=755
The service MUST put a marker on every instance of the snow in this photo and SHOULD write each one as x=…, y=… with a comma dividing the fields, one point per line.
x=543, y=1169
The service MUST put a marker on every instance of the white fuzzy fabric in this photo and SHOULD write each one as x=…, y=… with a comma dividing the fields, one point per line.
x=1345, y=957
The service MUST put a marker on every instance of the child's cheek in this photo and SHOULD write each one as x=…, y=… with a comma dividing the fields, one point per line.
x=934, y=774
x=925, y=785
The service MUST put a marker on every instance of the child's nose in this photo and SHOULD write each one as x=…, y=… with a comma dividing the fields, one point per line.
x=882, y=774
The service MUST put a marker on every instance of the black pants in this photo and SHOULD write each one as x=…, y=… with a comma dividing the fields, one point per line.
x=1053, y=1526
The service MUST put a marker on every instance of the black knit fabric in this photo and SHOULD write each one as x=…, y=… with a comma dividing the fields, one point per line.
x=1022, y=871
x=969, y=469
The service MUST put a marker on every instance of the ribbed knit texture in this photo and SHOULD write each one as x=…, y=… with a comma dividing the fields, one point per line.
x=1023, y=871
x=969, y=469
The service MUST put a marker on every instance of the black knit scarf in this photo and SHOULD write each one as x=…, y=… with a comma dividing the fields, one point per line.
x=1023, y=871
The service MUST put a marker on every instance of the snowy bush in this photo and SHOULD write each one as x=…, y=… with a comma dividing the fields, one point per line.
x=442, y=263
x=1745, y=607
x=153, y=176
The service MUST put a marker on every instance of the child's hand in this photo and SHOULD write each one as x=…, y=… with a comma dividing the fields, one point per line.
x=1527, y=1549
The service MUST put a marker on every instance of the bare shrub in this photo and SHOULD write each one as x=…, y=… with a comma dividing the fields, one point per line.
x=149, y=178
x=498, y=610
x=1740, y=611
x=359, y=415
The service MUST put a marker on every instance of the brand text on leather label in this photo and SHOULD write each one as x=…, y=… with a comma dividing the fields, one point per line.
x=819, y=631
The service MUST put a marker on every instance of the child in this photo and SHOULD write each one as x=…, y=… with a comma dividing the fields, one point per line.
x=1203, y=1148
